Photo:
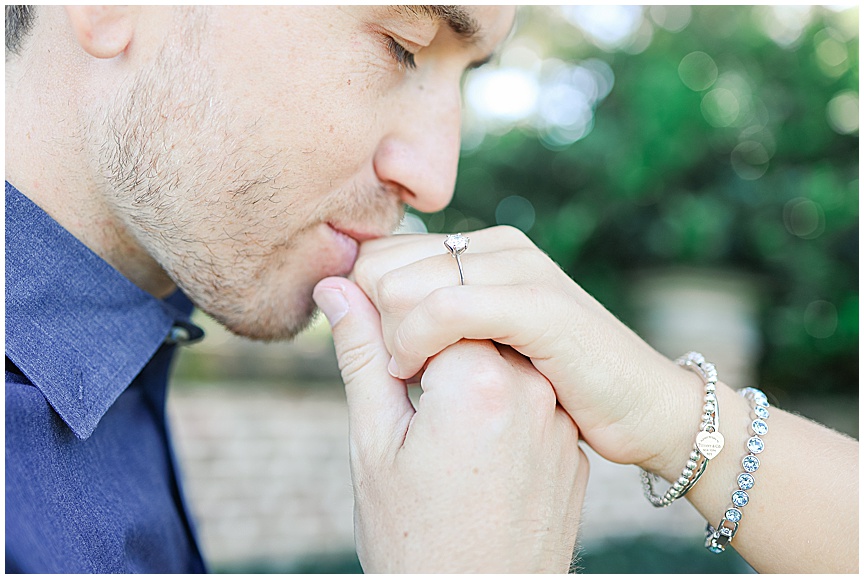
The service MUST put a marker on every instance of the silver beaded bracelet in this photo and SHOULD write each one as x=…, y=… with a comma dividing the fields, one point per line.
x=709, y=441
x=717, y=539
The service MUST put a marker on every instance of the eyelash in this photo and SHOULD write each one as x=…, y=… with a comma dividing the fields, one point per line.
x=401, y=54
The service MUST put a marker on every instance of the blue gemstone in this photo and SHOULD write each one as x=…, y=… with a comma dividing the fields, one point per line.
x=745, y=482
x=733, y=515
x=755, y=445
x=759, y=426
x=761, y=412
x=750, y=463
x=740, y=498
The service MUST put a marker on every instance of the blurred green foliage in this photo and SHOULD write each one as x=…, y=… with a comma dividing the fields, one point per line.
x=664, y=178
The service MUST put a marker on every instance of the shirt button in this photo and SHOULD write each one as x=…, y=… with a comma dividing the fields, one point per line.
x=183, y=333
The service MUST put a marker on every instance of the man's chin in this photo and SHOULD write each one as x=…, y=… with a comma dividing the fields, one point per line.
x=268, y=326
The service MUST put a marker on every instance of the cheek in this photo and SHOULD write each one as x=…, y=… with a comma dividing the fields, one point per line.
x=313, y=112
x=330, y=137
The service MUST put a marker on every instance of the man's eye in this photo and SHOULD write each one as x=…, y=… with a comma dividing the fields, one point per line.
x=401, y=54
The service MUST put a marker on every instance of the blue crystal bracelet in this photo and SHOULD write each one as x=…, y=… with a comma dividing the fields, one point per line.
x=717, y=539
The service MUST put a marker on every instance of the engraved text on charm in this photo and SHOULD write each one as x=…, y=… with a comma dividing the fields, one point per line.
x=709, y=443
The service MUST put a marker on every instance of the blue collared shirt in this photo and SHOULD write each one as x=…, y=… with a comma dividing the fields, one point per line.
x=91, y=482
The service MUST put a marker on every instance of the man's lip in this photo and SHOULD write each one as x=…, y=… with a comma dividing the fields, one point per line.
x=356, y=234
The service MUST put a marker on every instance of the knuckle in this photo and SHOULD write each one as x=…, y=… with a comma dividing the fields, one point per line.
x=404, y=345
x=512, y=234
x=391, y=293
x=364, y=272
x=489, y=387
x=536, y=259
x=489, y=374
x=440, y=306
x=354, y=360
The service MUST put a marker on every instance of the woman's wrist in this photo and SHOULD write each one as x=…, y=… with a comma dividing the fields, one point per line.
x=676, y=418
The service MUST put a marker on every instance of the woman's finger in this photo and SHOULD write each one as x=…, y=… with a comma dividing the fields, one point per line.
x=396, y=291
x=381, y=256
x=522, y=316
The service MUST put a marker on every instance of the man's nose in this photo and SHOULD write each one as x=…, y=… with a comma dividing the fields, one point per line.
x=420, y=154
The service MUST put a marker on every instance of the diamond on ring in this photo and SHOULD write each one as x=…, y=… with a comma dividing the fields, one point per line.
x=456, y=244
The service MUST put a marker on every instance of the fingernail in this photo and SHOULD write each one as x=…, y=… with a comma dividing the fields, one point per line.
x=393, y=368
x=332, y=302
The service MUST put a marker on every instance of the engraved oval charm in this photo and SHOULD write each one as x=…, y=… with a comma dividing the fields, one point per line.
x=709, y=443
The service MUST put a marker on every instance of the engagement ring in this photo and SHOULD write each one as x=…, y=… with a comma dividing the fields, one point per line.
x=456, y=244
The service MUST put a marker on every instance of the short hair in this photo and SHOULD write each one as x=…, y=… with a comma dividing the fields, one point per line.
x=19, y=23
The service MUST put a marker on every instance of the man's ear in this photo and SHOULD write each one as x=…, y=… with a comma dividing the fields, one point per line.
x=103, y=31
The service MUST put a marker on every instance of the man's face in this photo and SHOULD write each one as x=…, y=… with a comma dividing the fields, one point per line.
x=255, y=147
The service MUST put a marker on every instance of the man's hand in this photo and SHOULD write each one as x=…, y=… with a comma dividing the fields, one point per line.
x=485, y=476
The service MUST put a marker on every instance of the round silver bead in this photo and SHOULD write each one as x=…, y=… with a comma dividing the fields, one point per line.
x=691, y=464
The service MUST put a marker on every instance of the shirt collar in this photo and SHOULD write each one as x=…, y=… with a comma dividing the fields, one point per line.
x=77, y=328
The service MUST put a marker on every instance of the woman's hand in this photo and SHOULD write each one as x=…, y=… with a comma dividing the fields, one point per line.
x=632, y=405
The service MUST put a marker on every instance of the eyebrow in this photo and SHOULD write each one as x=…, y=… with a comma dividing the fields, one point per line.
x=456, y=17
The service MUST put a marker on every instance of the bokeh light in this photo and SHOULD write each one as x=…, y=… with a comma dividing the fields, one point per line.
x=672, y=18
x=502, y=94
x=842, y=112
x=566, y=108
x=832, y=56
x=804, y=218
x=517, y=211
x=820, y=319
x=720, y=107
x=784, y=24
x=697, y=71
x=610, y=27
x=750, y=160
x=556, y=99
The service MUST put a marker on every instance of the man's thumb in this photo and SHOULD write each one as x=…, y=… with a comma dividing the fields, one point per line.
x=378, y=404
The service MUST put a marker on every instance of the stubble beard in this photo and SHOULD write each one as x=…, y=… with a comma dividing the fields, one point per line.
x=177, y=173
